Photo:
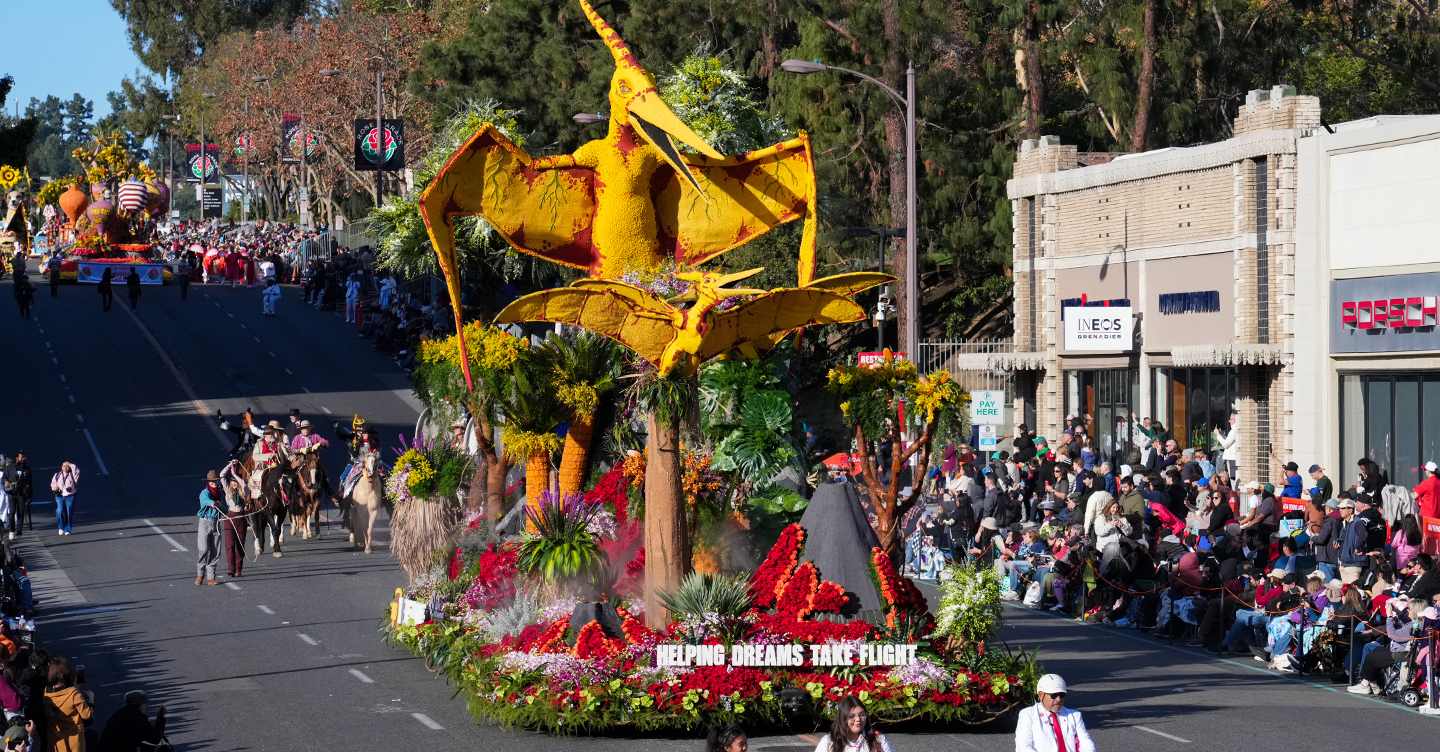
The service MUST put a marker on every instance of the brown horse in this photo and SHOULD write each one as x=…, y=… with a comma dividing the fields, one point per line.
x=311, y=480
x=269, y=511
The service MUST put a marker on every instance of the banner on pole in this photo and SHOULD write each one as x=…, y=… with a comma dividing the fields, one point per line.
x=198, y=171
x=292, y=129
x=379, y=150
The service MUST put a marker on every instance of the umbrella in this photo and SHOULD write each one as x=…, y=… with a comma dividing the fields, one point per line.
x=838, y=461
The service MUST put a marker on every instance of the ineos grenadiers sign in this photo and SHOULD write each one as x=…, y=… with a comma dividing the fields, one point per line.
x=1099, y=328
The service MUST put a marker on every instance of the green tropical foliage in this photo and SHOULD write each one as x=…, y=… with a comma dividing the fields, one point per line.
x=714, y=100
x=725, y=596
x=561, y=545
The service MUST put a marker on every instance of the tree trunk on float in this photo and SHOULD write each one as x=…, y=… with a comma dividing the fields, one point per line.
x=576, y=453
x=537, y=481
x=667, y=542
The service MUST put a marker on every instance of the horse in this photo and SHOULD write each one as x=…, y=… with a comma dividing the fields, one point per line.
x=362, y=505
x=268, y=512
x=311, y=479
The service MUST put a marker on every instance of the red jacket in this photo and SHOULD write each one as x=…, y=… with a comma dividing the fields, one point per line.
x=1427, y=496
x=1167, y=518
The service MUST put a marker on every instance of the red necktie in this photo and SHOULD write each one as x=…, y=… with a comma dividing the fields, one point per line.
x=1059, y=737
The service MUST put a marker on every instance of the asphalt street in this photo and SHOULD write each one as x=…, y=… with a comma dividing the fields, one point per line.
x=288, y=657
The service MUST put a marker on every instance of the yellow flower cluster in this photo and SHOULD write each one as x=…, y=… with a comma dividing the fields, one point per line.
x=520, y=445
x=419, y=467
x=936, y=391
x=489, y=348
x=580, y=397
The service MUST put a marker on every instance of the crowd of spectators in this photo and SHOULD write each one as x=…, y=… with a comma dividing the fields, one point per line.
x=1172, y=543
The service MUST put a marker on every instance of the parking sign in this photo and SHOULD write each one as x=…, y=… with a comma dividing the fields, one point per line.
x=987, y=438
x=987, y=408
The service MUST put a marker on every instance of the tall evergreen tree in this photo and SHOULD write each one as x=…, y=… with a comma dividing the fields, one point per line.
x=170, y=37
x=15, y=133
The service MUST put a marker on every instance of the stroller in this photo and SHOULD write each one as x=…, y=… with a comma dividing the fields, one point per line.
x=1405, y=680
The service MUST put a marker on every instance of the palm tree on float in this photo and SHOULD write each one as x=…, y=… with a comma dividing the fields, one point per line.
x=583, y=371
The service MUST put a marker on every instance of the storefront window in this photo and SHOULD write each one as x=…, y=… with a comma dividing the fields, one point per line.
x=1190, y=403
x=1394, y=420
x=1107, y=398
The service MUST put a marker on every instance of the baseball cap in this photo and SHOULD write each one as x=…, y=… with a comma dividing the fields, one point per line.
x=1292, y=467
x=1346, y=504
x=1050, y=684
x=1269, y=488
x=1203, y=482
x=1315, y=491
x=1253, y=485
x=1332, y=503
x=1316, y=468
x=1431, y=466
x=1277, y=572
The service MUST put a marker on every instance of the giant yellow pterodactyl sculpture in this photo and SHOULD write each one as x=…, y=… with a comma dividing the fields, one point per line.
x=629, y=201
x=677, y=340
x=633, y=202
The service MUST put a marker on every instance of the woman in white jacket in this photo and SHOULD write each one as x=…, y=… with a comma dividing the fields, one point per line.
x=1230, y=447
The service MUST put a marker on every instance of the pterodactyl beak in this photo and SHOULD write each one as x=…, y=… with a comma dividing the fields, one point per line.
x=659, y=126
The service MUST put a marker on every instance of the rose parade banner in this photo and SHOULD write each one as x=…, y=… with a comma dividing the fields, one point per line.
x=374, y=152
x=92, y=271
x=292, y=129
x=194, y=171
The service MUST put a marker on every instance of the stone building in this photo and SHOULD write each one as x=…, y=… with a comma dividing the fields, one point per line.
x=1196, y=246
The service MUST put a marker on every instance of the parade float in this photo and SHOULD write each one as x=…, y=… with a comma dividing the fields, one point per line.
x=106, y=216
x=608, y=610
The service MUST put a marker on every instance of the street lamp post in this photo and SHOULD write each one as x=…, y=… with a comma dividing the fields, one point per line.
x=249, y=144
x=912, y=272
x=204, y=156
x=883, y=303
x=170, y=155
x=379, y=121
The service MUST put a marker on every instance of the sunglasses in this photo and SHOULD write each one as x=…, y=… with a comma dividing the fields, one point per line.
x=1060, y=695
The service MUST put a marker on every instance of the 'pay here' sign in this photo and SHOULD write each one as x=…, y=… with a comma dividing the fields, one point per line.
x=987, y=408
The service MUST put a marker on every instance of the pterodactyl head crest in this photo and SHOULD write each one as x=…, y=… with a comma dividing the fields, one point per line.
x=635, y=102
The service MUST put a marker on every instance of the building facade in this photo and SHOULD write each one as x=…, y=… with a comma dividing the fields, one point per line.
x=1368, y=272
x=1197, y=245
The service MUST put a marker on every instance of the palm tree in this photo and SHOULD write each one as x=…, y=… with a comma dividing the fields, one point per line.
x=532, y=412
x=584, y=370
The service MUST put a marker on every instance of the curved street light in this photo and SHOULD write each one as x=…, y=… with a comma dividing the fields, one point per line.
x=585, y=118
x=906, y=103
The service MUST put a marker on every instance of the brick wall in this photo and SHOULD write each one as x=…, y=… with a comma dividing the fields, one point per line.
x=1171, y=209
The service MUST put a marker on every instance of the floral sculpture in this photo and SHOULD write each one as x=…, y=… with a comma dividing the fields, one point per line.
x=546, y=674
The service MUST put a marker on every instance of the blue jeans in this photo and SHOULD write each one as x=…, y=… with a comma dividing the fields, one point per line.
x=1245, y=619
x=23, y=582
x=64, y=506
x=1332, y=572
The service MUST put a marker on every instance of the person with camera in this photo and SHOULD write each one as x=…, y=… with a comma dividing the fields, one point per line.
x=129, y=727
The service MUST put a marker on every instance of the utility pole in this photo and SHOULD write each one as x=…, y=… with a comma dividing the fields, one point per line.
x=379, y=137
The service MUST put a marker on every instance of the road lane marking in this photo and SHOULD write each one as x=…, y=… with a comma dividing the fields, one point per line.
x=57, y=360
x=80, y=417
x=309, y=640
x=307, y=390
x=425, y=720
x=287, y=370
x=257, y=339
x=242, y=326
x=358, y=674
x=326, y=409
x=165, y=535
x=1162, y=733
x=96, y=450
x=231, y=315
x=62, y=377
x=267, y=610
x=232, y=586
x=272, y=354
x=72, y=397
x=200, y=408
x=47, y=345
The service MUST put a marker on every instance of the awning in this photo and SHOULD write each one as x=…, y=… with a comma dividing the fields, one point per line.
x=1232, y=354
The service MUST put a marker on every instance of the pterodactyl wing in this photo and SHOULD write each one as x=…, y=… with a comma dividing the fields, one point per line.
x=749, y=195
x=616, y=310
x=775, y=313
x=543, y=207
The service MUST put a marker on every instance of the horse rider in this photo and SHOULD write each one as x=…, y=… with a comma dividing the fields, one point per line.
x=361, y=439
x=244, y=429
x=307, y=440
x=292, y=428
x=270, y=451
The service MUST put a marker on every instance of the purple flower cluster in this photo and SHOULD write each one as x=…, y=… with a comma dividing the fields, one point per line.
x=922, y=673
x=560, y=667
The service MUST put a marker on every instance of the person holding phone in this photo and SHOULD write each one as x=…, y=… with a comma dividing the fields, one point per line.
x=69, y=710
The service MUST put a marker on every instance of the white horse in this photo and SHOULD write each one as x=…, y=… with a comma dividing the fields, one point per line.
x=363, y=504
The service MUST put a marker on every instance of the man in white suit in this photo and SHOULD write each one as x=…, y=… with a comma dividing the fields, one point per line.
x=1049, y=726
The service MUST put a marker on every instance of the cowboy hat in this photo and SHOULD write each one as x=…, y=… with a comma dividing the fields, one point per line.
x=304, y=424
x=274, y=425
x=212, y=477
